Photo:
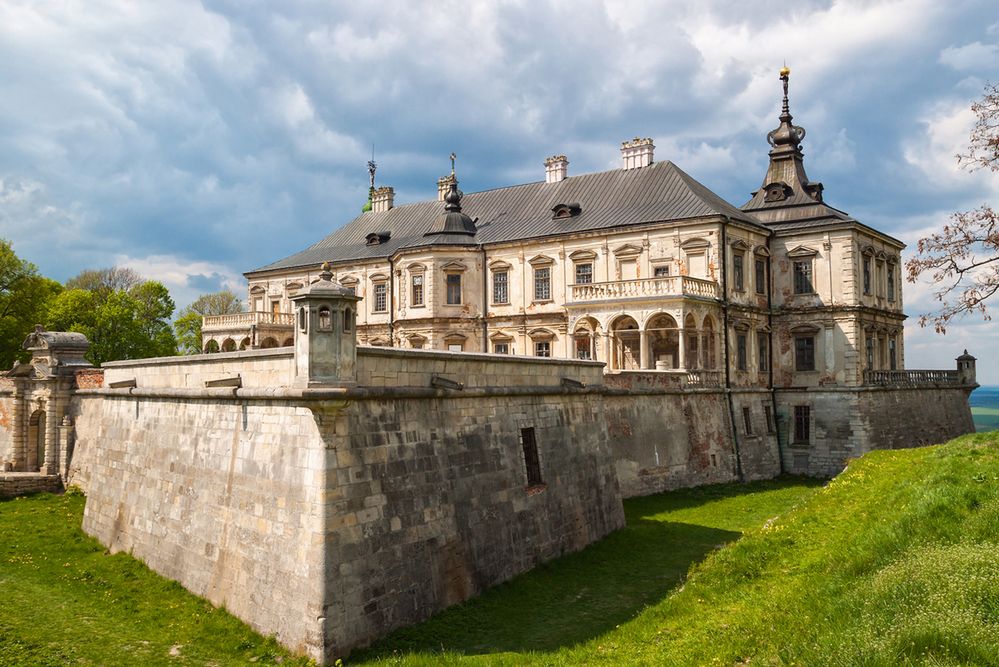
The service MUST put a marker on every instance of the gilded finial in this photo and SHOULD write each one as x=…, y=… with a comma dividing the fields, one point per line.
x=325, y=272
x=785, y=71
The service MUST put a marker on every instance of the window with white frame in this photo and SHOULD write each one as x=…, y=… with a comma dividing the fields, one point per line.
x=453, y=289
x=584, y=273
x=542, y=348
x=381, y=297
x=416, y=283
x=542, y=283
x=501, y=287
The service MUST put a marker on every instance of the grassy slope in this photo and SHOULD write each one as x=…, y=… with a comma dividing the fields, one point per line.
x=894, y=562
x=64, y=601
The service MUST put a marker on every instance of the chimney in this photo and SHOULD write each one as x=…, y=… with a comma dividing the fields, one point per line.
x=636, y=153
x=443, y=185
x=382, y=199
x=556, y=169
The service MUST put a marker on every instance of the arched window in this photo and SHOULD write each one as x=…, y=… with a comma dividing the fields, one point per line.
x=303, y=319
x=325, y=319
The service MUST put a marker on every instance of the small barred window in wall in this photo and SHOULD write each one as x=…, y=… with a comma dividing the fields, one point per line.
x=531, y=460
x=761, y=276
x=381, y=289
x=869, y=343
x=542, y=348
x=738, y=274
x=891, y=282
x=740, y=352
x=418, y=290
x=501, y=287
x=584, y=274
x=867, y=275
x=802, y=423
x=661, y=271
x=763, y=351
x=747, y=418
x=543, y=284
x=454, y=289
x=803, y=277
x=892, y=355
x=804, y=353
x=768, y=413
x=501, y=348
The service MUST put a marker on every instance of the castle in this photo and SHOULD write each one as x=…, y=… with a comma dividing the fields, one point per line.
x=439, y=396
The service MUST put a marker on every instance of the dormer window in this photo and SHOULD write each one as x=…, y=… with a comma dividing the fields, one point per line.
x=565, y=211
x=775, y=192
x=378, y=238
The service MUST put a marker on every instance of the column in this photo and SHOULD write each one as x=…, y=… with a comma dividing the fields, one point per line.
x=606, y=351
x=49, y=465
x=643, y=350
x=682, y=351
x=18, y=453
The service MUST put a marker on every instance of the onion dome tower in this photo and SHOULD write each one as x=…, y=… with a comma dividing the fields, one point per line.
x=452, y=221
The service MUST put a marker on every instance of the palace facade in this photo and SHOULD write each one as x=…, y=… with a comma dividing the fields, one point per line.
x=642, y=267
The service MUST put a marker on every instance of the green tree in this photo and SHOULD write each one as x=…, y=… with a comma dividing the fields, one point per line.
x=128, y=320
x=188, y=323
x=23, y=298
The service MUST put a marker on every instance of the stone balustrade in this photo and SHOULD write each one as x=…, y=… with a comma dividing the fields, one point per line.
x=245, y=320
x=910, y=378
x=645, y=287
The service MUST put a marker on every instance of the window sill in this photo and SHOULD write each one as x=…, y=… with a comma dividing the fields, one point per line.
x=418, y=305
x=535, y=489
x=500, y=303
x=541, y=302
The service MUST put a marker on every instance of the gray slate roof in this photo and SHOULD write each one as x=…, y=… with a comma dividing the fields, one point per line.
x=661, y=192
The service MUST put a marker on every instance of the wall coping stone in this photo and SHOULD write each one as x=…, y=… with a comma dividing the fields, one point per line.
x=201, y=358
x=399, y=352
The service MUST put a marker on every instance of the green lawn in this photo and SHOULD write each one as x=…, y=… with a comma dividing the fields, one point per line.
x=66, y=602
x=895, y=562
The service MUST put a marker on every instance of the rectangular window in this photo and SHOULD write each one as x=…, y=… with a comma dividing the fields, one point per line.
x=381, y=289
x=891, y=282
x=881, y=280
x=869, y=349
x=455, y=347
x=275, y=307
x=804, y=353
x=501, y=348
x=542, y=348
x=768, y=413
x=892, y=355
x=740, y=282
x=867, y=275
x=747, y=419
x=418, y=290
x=763, y=350
x=584, y=274
x=802, y=423
x=501, y=287
x=761, y=276
x=660, y=271
x=454, y=289
x=803, y=277
x=543, y=283
x=531, y=460
x=583, y=347
x=740, y=352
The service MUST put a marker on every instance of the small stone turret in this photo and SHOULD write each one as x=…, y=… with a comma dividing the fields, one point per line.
x=966, y=368
x=325, y=333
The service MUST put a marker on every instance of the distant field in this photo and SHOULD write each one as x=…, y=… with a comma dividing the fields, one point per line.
x=985, y=408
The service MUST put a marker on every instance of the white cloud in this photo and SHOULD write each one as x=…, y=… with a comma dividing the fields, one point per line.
x=178, y=274
x=973, y=56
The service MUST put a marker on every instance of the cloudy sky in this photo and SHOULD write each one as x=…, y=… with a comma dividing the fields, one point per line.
x=194, y=141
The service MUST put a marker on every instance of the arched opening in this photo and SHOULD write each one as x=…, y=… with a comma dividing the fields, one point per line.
x=212, y=346
x=325, y=319
x=244, y=344
x=585, y=338
x=268, y=343
x=348, y=319
x=36, y=441
x=708, y=343
x=692, y=352
x=664, y=341
x=288, y=342
x=228, y=345
x=627, y=343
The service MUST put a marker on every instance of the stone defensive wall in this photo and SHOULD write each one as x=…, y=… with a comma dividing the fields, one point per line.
x=851, y=421
x=331, y=516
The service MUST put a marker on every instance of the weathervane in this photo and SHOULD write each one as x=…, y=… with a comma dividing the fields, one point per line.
x=453, y=158
x=372, y=166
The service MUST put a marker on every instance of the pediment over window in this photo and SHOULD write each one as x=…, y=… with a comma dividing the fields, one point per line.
x=540, y=260
x=416, y=267
x=761, y=250
x=499, y=265
x=868, y=250
x=739, y=244
x=453, y=338
x=378, y=277
x=583, y=256
x=803, y=252
x=293, y=286
x=454, y=267
x=541, y=334
x=741, y=325
x=882, y=255
x=627, y=250
x=805, y=330
x=257, y=289
x=500, y=337
x=348, y=280
x=696, y=243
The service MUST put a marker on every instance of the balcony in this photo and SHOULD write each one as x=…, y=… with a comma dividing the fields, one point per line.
x=243, y=321
x=663, y=286
x=913, y=378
